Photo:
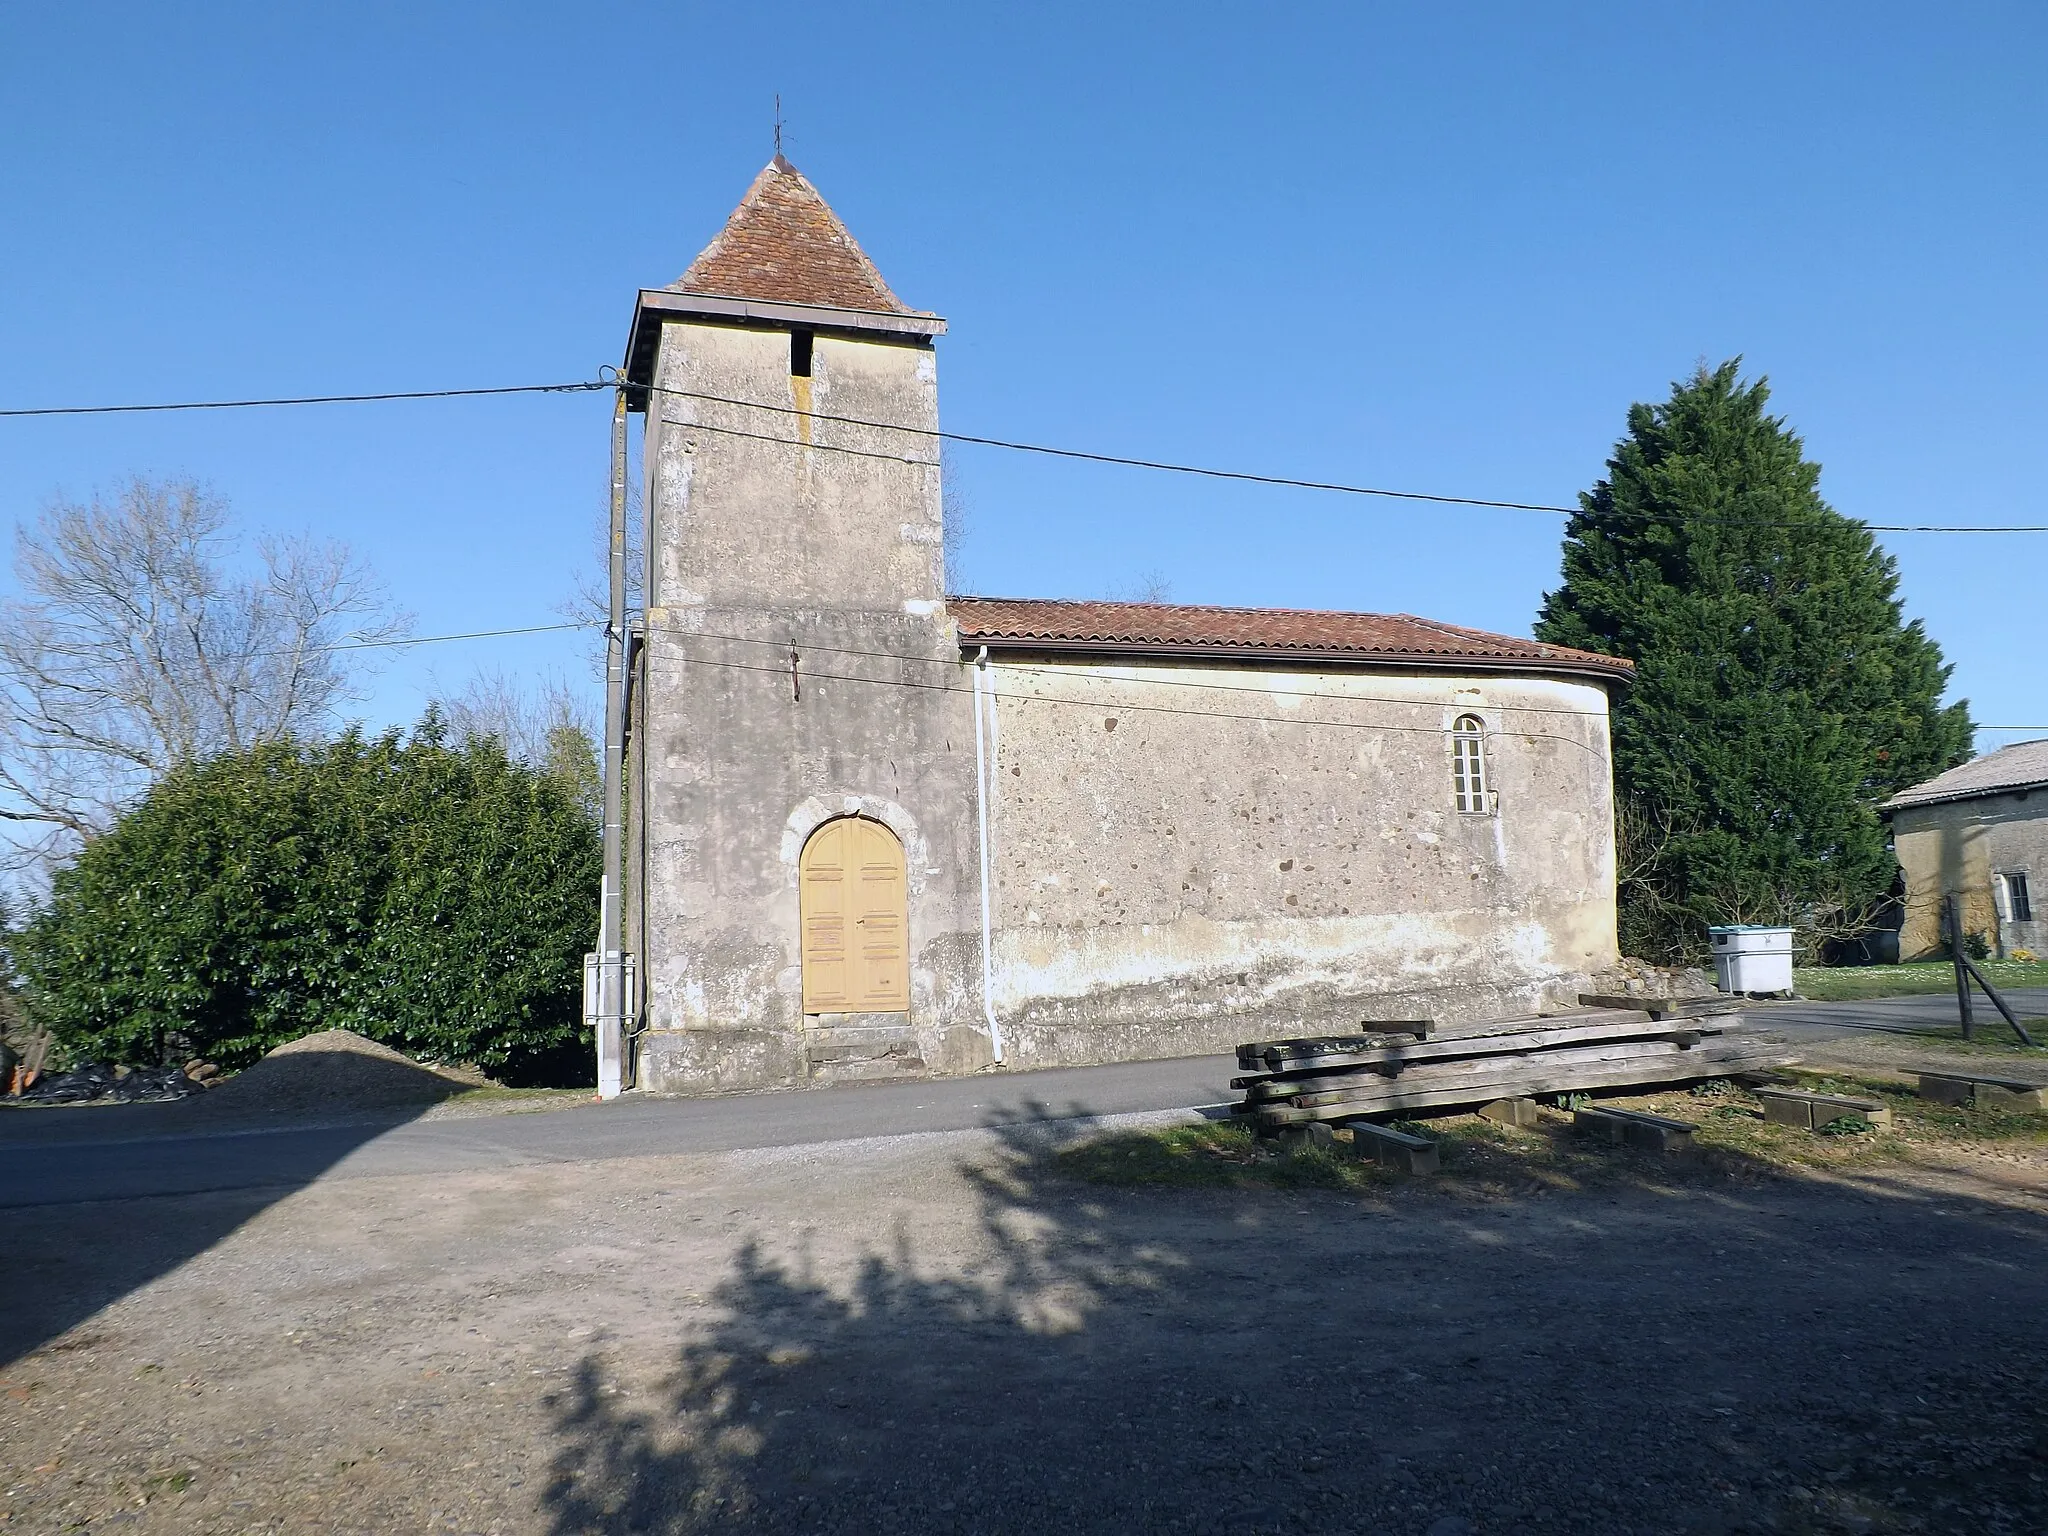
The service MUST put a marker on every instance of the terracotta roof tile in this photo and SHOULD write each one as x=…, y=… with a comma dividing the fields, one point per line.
x=1267, y=633
x=784, y=245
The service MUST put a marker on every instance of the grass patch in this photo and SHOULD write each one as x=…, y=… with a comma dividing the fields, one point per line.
x=498, y=1093
x=1830, y=984
x=1733, y=1141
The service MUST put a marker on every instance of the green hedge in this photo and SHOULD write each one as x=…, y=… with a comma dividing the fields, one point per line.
x=436, y=898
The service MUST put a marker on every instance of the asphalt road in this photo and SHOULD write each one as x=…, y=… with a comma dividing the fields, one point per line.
x=61, y=1167
x=1904, y=1015
x=65, y=1157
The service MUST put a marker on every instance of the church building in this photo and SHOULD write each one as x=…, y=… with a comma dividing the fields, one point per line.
x=876, y=829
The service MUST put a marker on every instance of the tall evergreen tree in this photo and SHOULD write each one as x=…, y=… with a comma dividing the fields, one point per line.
x=1780, y=693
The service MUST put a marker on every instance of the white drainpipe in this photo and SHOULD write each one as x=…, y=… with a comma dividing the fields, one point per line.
x=981, y=793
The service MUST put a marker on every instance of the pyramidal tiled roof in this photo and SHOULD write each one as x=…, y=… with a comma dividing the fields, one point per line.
x=1270, y=633
x=2023, y=765
x=784, y=245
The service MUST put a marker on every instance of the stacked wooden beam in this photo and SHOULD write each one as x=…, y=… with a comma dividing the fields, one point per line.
x=1403, y=1068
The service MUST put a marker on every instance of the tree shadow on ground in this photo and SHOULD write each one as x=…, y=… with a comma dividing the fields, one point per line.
x=108, y=1168
x=1777, y=1353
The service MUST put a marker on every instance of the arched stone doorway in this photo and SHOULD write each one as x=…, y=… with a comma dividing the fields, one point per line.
x=853, y=904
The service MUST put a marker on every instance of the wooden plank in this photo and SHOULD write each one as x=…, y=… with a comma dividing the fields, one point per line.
x=1541, y=1075
x=1531, y=1079
x=1419, y=1102
x=1484, y=1069
x=1254, y=1053
x=1449, y=1047
x=1660, y=1007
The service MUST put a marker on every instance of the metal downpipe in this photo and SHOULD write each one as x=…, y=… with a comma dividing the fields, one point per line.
x=981, y=793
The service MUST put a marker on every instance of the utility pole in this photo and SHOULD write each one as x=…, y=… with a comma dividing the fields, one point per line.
x=1952, y=926
x=610, y=969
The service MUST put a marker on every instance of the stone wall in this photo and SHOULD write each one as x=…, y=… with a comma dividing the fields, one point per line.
x=1188, y=855
x=1185, y=855
x=757, y=547
x=1957, y=848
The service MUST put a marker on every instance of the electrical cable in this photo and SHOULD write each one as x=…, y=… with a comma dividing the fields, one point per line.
x=1009, y=667
x=1012, y=667
x=1245, y=476
x=786, y=672
x=372, y=645
x=239, y=405
x=1008, y=444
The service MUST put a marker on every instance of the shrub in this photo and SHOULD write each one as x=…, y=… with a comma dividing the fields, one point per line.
x=438, y=899
x=1976, y=945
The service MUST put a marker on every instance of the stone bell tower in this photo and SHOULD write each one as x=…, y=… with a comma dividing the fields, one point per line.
x=803, y=901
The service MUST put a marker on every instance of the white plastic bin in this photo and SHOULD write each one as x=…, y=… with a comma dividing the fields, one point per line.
x=1750, y=959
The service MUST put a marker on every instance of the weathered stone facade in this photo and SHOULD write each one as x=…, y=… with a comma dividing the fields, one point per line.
x=1243, y=824
x=1969, y=849
x=1190, y=855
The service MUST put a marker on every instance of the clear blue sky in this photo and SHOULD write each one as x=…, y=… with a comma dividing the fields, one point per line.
x=1439, y=247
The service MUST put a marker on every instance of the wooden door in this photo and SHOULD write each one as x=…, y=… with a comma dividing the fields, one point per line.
x=853, y=902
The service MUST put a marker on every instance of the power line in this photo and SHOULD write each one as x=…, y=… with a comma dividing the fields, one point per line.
x=404, y=640
x=239, y=405
x=474, y=634
x=1119, y=705
x=1107, y=458
x=1243, y=476
x=1011, y=667
x=1014, y=667
x=1209, y=472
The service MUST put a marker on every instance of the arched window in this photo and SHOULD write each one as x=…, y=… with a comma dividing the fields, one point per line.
x=1468, y=764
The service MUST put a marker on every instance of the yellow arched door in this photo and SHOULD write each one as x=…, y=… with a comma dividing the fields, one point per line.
x=853, y=900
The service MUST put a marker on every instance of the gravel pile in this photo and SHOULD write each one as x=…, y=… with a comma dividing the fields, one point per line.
x=338, y=1069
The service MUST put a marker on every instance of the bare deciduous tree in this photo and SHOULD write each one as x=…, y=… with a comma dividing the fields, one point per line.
x=591, y=603
x=524, y=718
x=1150, y=587
x=133, y=646
x=548, y=726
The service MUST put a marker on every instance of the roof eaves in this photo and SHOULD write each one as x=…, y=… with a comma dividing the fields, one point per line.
x=655, y=305
x=1589, y=664
x=1907, y=800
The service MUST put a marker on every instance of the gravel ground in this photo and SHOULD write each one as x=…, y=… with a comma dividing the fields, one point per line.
x=933, y=1333
x=1902, y=1053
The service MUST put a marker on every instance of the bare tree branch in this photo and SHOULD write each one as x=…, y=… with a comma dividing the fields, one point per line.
x=134, y=646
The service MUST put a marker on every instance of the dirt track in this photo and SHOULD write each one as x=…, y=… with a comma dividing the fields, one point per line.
x=932, y=1333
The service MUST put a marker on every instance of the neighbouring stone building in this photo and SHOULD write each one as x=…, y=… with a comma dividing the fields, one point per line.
x=1976, y=833
x=879, y=829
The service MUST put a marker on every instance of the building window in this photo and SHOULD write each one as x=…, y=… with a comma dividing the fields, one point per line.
x=1468, y=764
x=2018, y=905
x=800, y=354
